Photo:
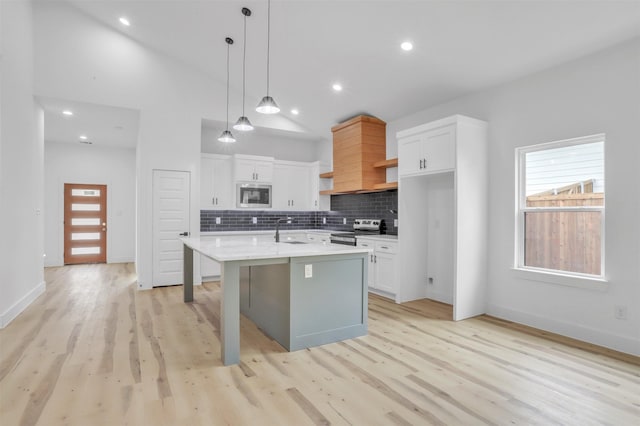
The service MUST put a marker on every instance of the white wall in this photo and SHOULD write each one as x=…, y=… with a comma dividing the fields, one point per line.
x=281, y=148
x=91, y=164
x=21, y=166
x=595, y=94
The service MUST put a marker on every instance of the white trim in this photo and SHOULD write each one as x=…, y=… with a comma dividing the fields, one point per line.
x=582, y=140
x=22, y=304
x=122, y=259
x=604, y=338
x=589, y=282
x=568, y=278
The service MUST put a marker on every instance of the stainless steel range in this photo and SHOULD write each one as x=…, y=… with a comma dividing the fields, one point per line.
x=360, y=227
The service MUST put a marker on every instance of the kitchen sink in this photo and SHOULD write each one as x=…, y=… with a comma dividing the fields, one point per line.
x=294, y=242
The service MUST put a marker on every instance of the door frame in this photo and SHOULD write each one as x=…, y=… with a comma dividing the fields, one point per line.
x=101, y=228
x=59, y=260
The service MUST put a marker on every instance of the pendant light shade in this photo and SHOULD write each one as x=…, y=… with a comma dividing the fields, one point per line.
x=243, y=124
x=226, y=136
x=267, y=105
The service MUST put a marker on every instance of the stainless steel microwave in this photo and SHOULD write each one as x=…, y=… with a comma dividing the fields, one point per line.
x=252, y=195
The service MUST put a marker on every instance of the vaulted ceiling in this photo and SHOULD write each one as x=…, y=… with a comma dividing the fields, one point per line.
x=460, y=47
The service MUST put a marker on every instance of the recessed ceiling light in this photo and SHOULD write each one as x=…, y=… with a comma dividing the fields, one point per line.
x=337, y=87
x=67, y=112
x=83, y=138
x=124, y=21
x=406, y=46
x=295, y=111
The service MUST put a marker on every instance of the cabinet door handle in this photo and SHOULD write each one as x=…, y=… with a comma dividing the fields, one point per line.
x=375, y=258
x=420, y=164
x=384, y=247
x=213, y=201
x=425, y=163
x=292, y=202
x=371, y=258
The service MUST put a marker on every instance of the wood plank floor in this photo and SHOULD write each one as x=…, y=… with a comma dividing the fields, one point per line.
x=95, y=351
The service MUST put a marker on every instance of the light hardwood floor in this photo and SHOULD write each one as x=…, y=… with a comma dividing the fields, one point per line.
x=95, y=351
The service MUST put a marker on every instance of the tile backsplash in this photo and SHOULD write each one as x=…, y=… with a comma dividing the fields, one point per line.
x=347, y=207
x=376, y=205
x=242, y=220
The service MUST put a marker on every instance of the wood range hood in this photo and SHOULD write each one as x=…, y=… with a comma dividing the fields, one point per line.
x=359, y=157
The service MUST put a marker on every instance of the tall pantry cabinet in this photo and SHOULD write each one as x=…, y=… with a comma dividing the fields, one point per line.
x=442, y=209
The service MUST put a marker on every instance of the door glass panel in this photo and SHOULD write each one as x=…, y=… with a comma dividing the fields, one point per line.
x=85, y=236
x=85, y=192
x=85, y=207
x=85, y=221
x=85, y=250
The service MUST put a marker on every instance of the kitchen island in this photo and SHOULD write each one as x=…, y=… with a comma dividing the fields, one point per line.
x=300, y=294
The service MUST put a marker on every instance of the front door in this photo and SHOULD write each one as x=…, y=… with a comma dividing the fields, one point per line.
x=170, y=221
x=85, y=223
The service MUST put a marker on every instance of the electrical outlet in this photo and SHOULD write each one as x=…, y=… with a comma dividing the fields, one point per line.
x=620, y=312
x=254, y=220
x=344, y=220
x=324, y=220
x=395, y=223
x=218, y=221
x=308, y=271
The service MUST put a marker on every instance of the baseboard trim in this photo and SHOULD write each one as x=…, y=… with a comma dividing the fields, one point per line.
x=616, y=342
x=124, y=259
x=22, y=304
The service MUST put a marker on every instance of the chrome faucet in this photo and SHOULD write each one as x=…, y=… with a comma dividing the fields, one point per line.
x=278, y=222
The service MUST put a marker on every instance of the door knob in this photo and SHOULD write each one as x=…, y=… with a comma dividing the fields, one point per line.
x=184, y=234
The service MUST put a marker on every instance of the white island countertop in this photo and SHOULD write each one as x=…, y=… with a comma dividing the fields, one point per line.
x=231, y=248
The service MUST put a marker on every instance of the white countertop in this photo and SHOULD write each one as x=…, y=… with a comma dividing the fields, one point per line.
x=230, y=248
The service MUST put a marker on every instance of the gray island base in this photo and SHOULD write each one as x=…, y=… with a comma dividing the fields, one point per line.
x=300, y=295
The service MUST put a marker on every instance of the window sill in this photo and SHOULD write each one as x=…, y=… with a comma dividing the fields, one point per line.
x=587, y=283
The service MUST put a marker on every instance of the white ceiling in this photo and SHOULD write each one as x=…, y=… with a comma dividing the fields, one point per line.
x=460, y=47
x=102, y=125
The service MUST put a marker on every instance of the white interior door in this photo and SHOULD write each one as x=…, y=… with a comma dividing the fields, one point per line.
x=170, y=222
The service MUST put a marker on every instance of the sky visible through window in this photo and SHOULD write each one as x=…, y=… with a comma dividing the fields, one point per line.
x=559, y=167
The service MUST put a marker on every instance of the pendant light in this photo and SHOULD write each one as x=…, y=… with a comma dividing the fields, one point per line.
x=267, y=105
x=243, y=124
x=226, y=136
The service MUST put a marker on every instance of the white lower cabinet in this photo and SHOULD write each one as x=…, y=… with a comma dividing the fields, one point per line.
x=382, y=275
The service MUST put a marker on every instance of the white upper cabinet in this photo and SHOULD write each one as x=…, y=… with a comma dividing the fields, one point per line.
x=215, y=182
x=295, y=184
x=292, y=186
x=426, y=151
x=250, y=168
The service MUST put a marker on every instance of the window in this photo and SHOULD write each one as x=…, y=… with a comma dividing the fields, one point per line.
x=561, y=207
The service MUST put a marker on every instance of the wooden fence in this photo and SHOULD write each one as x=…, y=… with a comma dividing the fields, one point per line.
x=565, y=241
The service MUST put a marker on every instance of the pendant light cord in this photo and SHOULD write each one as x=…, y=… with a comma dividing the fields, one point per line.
x=244, y=61
x=268, y=40
x=228, y=85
